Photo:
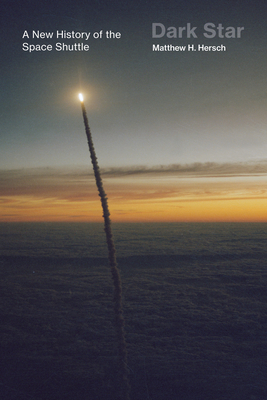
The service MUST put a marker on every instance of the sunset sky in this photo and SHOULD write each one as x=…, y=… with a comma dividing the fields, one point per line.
x=179, y=136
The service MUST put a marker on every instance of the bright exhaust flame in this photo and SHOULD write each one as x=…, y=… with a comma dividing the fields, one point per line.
x=81, y=97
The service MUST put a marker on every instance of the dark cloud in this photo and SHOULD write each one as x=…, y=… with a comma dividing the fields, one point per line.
x=78, y=182
x=208, y=169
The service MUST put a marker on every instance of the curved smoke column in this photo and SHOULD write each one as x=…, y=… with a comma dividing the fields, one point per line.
x=119, y=321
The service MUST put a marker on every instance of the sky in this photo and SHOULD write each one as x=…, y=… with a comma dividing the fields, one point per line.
x=179, y=135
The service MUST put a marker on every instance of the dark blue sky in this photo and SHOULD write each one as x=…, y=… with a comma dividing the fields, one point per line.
x=144, y=107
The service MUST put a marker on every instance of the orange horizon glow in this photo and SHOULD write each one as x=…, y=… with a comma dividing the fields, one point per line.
x=52, y=210
x=69, y=195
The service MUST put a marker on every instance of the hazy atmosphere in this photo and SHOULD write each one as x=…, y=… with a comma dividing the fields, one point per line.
x=179, y=134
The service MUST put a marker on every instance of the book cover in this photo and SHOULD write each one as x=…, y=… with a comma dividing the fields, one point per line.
x=175, y=95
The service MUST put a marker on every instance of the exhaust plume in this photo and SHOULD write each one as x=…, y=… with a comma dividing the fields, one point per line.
x=119, y=320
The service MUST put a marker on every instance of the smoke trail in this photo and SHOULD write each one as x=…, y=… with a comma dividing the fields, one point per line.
x=119, y=321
